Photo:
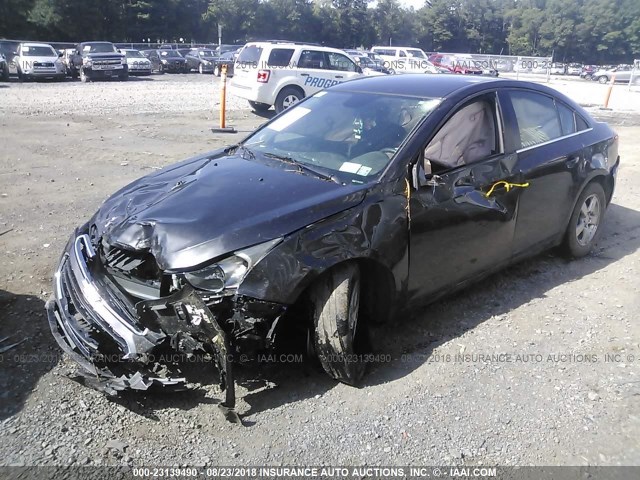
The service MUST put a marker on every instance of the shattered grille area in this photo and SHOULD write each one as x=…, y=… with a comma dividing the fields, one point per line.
x=140, y=265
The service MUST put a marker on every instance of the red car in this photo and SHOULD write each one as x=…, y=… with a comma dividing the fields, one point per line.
x=455, y=64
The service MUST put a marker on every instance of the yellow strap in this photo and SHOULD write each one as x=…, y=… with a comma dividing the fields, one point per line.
x=507, y=186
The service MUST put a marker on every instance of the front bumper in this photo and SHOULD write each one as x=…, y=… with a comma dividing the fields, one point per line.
x=123, y=344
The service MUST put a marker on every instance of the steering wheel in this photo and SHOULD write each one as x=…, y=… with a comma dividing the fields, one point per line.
x=389, y=151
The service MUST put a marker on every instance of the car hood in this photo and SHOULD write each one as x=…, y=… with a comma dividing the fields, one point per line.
x=205, y=207
x=99, y=55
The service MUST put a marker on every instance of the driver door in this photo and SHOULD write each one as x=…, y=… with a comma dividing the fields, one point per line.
x=462, y=219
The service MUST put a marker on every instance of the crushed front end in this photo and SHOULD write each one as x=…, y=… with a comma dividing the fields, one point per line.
x=130, y=325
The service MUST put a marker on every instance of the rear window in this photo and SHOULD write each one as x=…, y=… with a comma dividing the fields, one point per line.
x=280, y=57
x=250, y=54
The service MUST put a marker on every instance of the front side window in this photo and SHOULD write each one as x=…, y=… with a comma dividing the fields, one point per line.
x=537, y=117
x=352, y=135
x=341, y=62
x=470, y=135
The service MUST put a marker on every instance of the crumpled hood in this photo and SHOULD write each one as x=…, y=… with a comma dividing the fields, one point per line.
x=205, y=207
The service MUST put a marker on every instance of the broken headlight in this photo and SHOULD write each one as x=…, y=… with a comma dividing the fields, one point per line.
x=227, y=274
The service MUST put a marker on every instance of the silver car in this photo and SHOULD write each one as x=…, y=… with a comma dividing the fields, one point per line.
x=39, y=60
x=622, y=74
x=138, y=64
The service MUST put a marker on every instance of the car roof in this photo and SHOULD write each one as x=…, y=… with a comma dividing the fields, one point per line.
x=35, y=44
x=297, y=44
x=440, y=86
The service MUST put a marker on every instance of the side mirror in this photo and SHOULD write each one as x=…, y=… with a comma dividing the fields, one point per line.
x=358, y=69
x=60, y=55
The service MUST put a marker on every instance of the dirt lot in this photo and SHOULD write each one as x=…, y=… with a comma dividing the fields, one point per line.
x=566, y=392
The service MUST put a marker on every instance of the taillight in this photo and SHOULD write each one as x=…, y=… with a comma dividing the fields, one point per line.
x=263, y=76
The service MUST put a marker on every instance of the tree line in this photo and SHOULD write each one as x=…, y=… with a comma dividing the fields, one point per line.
x=591, y=31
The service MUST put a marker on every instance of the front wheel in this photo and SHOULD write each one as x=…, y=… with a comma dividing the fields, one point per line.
x=338, y=338
x=586, y=218
x=603, y=79
x=287, y=97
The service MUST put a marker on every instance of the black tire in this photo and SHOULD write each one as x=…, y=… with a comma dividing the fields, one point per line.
x=160, y=68
x=84, y=78
x=5, y=73
x=584, y=228
x=200, y=69
x=603, y=79
x=216, y=71
x=287, y=97
x=123, y=77
x=259, y=107
x=74, y=73
x=21, y=77
x=338, y=337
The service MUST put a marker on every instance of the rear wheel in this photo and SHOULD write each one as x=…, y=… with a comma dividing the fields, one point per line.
x=288, y=97
x=338, y=338
x=259, y=107
x=586, y=218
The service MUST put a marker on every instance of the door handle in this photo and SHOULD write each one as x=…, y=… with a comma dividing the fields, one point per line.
x=339, y=76
x=572, y=161
x=304, y=74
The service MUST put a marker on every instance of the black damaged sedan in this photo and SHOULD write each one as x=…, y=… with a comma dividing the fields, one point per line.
x=368, y=198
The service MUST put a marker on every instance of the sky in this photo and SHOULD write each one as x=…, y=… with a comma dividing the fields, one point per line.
x=412, y=3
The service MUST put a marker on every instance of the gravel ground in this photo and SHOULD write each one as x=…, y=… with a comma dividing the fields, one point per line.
x=552, y=398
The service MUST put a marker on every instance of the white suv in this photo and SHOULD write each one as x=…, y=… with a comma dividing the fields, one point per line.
x=283, y=73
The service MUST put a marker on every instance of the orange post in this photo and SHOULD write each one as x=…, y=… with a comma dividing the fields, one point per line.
x=223, y=96
x=606, y=99
x=223, y=104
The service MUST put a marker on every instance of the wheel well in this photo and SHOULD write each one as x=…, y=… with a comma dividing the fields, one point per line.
x=606, y=182
x=294, y=87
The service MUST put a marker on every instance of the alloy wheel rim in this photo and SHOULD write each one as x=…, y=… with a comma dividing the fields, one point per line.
x=289, y=100
x=588, y=220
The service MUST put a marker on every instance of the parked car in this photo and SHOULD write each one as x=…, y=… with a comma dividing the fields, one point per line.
x=405, y=59
x=558, y=69
x=283, y=73
x=574, y=69
x=38, y=61
x=137, y=63
x=98, y=60
x=458, y=64
x=166, y=60
x=4, y=68
x=621, y=73
x=9, y=49
x=205, y=60
x=368, y=66
x=355, y=206
x=588, y=71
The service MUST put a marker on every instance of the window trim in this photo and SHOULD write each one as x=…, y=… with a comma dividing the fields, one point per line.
x=524, y=149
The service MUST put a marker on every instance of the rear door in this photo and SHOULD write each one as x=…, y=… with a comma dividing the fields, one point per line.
x=314, y=71
x=549, y=156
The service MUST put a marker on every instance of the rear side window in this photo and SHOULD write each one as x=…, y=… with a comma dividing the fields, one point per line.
x=537, y=117
x=250, y=55
x=580, y=123
x=280, y=57
x=567, y=120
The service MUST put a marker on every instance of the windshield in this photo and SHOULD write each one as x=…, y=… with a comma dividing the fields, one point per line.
x=351, y=135
x=365, y=61
x=39, y=51
x=170, y=53
x=98, y=48
x=206, y=53
x=416, y=53
x=133, y=54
